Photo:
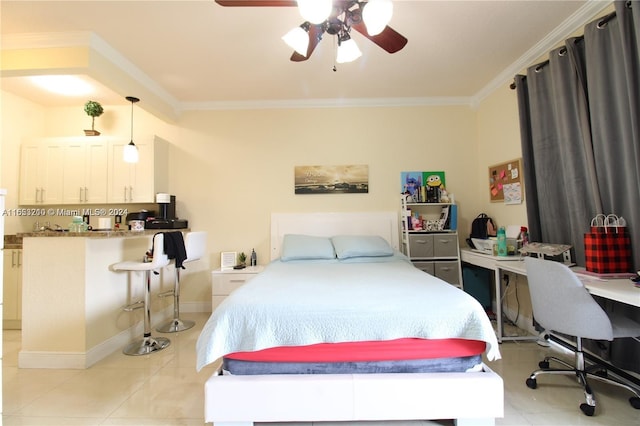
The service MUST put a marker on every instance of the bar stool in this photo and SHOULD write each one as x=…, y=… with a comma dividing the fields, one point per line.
x=195, y=244
x=147, y=344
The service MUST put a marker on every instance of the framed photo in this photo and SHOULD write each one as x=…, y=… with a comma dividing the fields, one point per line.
x=350, y=179
x=228, y=259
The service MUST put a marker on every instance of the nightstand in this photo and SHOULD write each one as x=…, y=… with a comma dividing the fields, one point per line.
x=224, y=281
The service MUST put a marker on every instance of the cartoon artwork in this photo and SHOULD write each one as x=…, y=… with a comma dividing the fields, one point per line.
x=422, y=187
x=411, y=183
x=434, y=181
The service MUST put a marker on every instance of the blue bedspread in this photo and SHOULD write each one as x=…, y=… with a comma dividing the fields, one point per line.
x=302, y=303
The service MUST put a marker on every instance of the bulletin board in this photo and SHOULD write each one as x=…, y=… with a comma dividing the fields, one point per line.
x=505, y=182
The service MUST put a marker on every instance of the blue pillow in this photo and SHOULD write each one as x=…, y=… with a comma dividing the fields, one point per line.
x=306, y=247
x=349, y=246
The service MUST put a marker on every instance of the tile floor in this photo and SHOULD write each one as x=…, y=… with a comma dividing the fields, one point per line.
x=165, y=389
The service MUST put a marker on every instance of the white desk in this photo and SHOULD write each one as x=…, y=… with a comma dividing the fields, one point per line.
x=620, y=290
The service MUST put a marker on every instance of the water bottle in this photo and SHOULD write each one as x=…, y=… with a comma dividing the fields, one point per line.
x=502, y=242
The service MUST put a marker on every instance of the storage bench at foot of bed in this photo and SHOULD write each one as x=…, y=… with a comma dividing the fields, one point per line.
x=470, y=398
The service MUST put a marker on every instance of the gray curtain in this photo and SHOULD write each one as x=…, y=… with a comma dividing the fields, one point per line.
x=580, y=136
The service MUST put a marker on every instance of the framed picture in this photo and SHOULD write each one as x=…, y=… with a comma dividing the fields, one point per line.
x=422, y=187
x=228, y=259
x=351, y=179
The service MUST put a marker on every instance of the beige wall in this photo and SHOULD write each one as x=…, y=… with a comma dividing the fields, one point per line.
x=498, y=142
x=230, y=169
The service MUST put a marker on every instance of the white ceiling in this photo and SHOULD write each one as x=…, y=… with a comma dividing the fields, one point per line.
x=199, y=55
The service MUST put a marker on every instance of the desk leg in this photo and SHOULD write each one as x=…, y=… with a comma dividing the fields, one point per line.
x=498, y=285
x=499, y=320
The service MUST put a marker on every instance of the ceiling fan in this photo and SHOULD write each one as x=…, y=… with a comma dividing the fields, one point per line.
x=344, y=15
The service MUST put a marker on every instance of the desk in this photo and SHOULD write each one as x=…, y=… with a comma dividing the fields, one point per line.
x=620, y=290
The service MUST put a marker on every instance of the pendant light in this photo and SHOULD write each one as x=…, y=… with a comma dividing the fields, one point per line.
x=130, y=153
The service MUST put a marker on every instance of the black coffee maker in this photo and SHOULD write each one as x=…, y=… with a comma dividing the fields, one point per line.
x=166, y=218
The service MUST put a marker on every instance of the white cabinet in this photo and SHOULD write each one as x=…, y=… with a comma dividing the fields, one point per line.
x=85, y=172
x=12, y=291
x=41, y=173
x=433, y=250
x=90, y=170
x=224, y=281
x=139, y=182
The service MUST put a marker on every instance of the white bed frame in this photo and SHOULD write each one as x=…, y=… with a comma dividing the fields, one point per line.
x=470, y=398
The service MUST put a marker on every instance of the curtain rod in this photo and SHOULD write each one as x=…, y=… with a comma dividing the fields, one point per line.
x=601, y=24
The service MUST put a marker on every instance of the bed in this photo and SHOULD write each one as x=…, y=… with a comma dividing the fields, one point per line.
x=363, y=292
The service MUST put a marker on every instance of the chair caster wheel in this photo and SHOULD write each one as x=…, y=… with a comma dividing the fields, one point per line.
x=543, y=364
x=532, y=383
x=587, y=409
x=635, y=402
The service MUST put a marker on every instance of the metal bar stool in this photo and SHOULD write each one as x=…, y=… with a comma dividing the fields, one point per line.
x=147, y=344
x=195, y=244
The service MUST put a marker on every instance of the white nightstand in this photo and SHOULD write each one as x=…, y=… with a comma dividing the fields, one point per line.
x=224, y=281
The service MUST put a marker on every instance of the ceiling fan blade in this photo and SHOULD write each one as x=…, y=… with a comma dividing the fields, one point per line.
x=268, y=3
x=315, y=35
x=389, y=39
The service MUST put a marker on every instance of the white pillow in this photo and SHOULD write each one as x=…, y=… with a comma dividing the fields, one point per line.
x=348, y=246
x=306, y=247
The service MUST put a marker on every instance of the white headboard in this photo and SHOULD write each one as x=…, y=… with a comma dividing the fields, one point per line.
x=384, y=224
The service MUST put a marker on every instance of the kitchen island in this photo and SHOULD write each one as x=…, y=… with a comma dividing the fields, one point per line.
x=73, y=302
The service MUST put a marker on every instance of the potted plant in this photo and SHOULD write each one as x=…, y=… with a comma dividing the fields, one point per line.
x=93, y=110
x=242, y=259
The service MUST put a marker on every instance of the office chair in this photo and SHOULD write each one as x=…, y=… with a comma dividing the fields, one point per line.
x=562, y=304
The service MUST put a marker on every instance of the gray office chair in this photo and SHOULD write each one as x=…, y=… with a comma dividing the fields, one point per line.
x=562, y=304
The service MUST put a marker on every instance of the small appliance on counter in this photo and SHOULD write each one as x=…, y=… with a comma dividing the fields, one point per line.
x=136, y=220
x=166, y=214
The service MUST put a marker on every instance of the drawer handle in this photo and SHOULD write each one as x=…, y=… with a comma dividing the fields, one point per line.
x=421, y=241
x=237, y=281
x=444, y=241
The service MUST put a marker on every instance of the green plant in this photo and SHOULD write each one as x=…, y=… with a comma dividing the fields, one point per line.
x=242, y=258
x=93, y=110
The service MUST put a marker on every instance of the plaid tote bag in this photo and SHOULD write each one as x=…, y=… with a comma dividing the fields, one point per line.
x=607, y=247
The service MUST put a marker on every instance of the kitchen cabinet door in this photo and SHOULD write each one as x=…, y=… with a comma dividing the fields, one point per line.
x=41, y=174
x=85, y=172
x=12, y=291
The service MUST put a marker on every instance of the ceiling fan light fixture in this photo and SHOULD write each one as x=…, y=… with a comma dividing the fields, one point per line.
x=298, y=39
x=315, y=11
x=348, y=50
x=376, y=15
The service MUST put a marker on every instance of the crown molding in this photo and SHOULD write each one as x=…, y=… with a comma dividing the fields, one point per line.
x=553, y=39
x=326, y=103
